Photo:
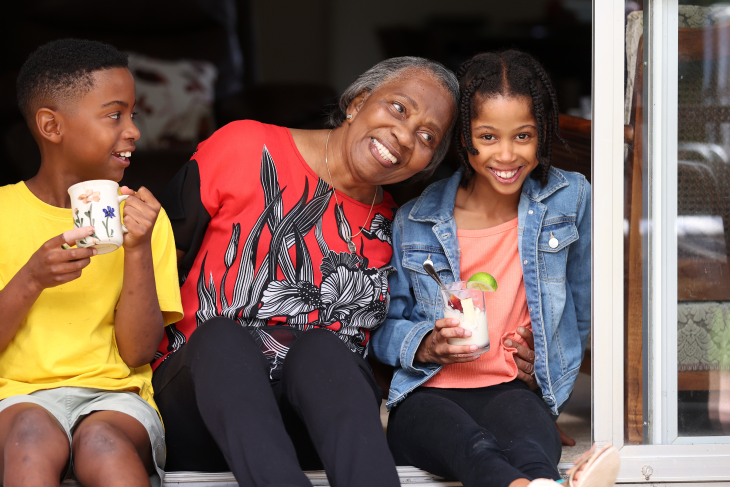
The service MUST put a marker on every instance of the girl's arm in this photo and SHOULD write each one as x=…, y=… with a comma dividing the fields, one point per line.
x=393, y=337
x=578, y=272
x=399, y=341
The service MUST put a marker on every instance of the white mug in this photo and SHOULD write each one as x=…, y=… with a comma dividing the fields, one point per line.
x=96, y=203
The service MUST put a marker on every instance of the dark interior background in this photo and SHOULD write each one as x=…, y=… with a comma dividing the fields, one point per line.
x=284, y=61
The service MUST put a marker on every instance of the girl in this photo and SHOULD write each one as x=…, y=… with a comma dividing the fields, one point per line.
x=456, y=413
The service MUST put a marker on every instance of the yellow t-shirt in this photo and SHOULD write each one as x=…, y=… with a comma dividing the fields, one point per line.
x=67, y=339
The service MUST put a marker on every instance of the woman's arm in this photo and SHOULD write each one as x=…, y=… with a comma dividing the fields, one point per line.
x=188, y=216
x=525, y=358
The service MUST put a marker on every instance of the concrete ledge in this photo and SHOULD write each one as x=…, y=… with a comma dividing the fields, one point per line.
x=409, y=476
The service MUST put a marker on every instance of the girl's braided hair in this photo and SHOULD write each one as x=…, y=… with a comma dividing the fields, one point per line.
x=507, y=73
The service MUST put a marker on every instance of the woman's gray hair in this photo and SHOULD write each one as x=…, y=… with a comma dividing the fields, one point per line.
x=391, y=69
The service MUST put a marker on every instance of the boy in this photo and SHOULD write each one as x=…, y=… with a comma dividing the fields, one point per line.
x=77, y=331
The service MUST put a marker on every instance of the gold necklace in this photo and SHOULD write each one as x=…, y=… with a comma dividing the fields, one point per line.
x=348, y=238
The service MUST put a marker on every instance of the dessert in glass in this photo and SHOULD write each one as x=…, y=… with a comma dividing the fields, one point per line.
x=467, y=306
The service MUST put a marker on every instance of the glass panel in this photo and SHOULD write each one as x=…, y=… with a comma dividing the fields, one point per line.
x=703, y=219
x=634, y=226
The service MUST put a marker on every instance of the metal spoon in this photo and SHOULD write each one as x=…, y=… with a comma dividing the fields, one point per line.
x=428, y=267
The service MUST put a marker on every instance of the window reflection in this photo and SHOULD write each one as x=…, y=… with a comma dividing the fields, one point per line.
x=703, y=221
x=702, y=224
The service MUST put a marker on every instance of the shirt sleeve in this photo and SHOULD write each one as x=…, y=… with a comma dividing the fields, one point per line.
x=188, y=216
x=165, y=261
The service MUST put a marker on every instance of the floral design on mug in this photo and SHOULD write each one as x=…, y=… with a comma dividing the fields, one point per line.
x=90, y=196
x=108, y=213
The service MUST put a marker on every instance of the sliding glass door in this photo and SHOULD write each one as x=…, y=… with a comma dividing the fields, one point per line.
x=661, y=189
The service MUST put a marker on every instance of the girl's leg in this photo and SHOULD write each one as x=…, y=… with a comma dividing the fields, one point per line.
x=434, y=433
x=522, y=424
x=334, y=393
x=216, y=387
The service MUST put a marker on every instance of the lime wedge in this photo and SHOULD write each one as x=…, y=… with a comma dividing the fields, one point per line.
x=482, y=281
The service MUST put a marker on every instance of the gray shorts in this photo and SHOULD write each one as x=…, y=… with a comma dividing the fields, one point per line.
x=69, y=405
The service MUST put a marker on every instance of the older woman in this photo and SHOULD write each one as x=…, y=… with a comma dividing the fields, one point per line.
x=284, y=243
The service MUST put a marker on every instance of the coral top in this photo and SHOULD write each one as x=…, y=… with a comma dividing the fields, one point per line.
x=493, y=250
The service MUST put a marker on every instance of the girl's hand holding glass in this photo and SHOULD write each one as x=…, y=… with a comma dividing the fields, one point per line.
x=435, y=348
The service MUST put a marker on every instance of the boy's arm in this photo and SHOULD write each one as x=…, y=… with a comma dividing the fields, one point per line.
x=139, y=325
x=49, y=266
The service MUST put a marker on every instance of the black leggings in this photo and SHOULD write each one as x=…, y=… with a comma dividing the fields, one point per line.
x=487, y=437
x=221, y=411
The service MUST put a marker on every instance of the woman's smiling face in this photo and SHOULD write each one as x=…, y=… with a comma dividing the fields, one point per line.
x=504, y=132
x=395, y=131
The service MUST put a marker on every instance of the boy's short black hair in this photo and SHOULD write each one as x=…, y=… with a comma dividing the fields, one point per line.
x=62, y=69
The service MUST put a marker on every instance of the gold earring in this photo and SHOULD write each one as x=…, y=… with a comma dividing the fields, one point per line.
x=349, y=116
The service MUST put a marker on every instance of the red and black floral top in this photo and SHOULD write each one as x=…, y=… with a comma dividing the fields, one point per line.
x=265, y=245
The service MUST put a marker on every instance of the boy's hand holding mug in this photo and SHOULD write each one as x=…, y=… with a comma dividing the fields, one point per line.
x=52, y=265
x=140, y=215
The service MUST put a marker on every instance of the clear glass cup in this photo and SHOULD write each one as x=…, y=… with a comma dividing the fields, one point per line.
x=467, y=306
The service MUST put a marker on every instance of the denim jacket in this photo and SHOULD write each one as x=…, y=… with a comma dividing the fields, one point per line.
x=557, y=280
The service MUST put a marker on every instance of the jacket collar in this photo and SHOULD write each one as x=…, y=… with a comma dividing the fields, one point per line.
x=534, y=190
x=436, y=204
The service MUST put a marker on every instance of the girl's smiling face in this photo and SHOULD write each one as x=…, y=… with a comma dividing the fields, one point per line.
x=504, y=132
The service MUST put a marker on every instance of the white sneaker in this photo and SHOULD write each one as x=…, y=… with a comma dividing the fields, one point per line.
x=598, y=468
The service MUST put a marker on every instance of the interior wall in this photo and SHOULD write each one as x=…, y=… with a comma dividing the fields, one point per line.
x=355, y=45
x=293, y=39
x=330, y=42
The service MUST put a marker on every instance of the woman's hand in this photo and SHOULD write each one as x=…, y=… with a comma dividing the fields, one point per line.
x=435, y=348
x=525, y=358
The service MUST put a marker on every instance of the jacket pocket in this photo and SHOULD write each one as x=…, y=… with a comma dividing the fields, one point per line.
x=425, y=288
x=553, y=244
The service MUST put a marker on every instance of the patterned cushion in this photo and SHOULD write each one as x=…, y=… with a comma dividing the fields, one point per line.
x=174, y=101
x=703, y=335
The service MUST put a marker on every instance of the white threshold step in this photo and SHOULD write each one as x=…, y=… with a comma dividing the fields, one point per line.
x=409, y=476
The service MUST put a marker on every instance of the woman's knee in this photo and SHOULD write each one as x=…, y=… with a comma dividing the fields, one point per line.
x=318, y=352
x=317, y=345
x=220, y=345
x=217, y=335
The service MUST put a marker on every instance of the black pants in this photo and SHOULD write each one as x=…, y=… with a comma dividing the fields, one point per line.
x=490, y=436
x=221, y=411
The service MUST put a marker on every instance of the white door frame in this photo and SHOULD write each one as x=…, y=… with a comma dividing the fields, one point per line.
x=660, y=461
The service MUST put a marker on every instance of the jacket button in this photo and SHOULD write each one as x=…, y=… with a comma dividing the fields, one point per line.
x=530, y=310
x=529, y=212
x=525, y=262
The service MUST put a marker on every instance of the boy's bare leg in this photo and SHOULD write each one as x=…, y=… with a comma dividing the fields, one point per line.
x=35, y=447
x=112, y=448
